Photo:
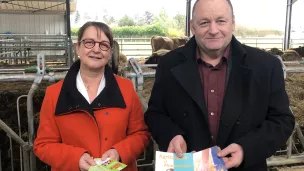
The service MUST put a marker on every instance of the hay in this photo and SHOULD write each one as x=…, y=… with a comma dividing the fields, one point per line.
x=9, y=92
x=295, y=91
x=292, y=168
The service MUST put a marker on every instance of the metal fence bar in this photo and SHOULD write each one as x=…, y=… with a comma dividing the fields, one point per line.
x=19, y=127
x=12, y=134
x=12, y=154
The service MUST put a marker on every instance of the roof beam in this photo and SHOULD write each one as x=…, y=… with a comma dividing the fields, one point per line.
x=49, y=7
x=30, y=12
x=22, y=5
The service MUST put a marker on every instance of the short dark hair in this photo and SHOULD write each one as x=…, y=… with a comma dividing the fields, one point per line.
x=98, y=25
x=229, y=3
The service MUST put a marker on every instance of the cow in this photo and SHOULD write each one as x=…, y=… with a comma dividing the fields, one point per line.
x=299, y=50
x=275, y=51
x=167, y=43
x=162, y=45
x=154, y=58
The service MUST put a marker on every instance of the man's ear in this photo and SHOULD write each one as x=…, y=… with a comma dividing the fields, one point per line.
x=192, y=27
x=233, y=23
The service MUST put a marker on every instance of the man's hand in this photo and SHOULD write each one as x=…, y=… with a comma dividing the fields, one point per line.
x=177, y=145
x=85, y=162
x=112, y=153
x=237, y=155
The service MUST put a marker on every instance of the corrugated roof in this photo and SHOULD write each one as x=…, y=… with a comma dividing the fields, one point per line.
x=35, y=6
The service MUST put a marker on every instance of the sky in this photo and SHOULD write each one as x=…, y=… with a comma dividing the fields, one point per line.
x=254, y=13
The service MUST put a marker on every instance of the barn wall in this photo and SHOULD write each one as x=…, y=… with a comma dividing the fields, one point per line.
x=32, y=24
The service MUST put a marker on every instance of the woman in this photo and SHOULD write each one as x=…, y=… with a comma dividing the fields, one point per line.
x=92, y=113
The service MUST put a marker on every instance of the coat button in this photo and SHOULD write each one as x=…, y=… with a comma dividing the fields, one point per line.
x=107, y=113
x=106, y=139
x=99, y=104
x=186, y=114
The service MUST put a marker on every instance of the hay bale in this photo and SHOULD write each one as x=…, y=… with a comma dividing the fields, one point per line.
x=291, y=55
x=122, y=67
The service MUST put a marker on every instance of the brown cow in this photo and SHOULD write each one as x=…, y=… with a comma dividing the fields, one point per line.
x=179, y=41
x=167, y=43
x=159, y=42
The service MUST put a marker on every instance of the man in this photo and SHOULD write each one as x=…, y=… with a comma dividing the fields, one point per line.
x=216, y=91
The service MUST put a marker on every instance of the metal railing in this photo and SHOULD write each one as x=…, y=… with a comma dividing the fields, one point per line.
x=24, y=48
x=141, y=47
x=27, y=157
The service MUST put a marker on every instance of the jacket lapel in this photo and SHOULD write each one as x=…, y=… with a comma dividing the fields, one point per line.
x=187, y=74
x=236, y=92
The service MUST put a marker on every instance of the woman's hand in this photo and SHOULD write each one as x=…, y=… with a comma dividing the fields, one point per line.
x=112, y=153
x=85, y=162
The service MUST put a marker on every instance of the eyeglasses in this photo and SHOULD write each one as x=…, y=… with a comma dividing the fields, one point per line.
x=90, y=43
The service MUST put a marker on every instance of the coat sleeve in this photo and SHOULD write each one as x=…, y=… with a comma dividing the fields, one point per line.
x=138, y=136
x=162, y=128
x=263, y=141
x=48, y=146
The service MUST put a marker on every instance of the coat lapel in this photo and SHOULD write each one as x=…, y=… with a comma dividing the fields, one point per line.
x=187, y=74
x=236, y=92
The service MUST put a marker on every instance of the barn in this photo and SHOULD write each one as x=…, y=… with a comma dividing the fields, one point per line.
x=31, y=27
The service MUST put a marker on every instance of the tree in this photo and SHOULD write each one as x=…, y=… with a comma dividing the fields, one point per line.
x=108, y=19
x=77, y=17
x=148, y=18
x=163, y=17
x=163, y=20
x=139, y=20
x=180, y=21
x=126, y=21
